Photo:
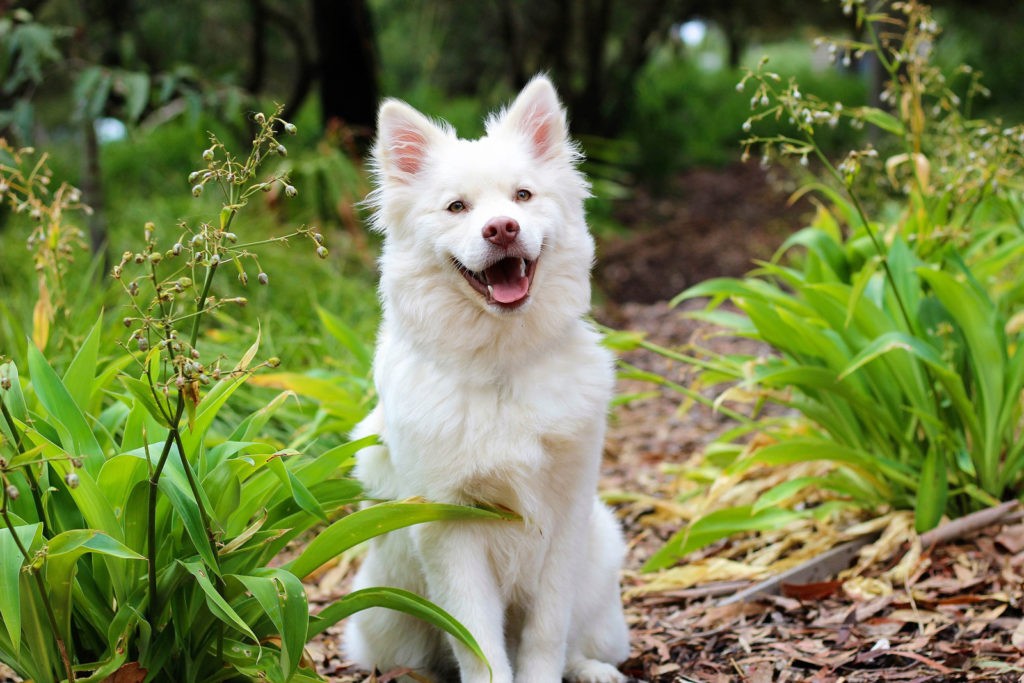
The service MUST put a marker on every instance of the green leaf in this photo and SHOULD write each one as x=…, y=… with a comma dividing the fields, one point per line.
x=13, y=397
x=63, y=552
x=715, y=526
x=348, y=338
x=76, y=436
x=932, y=493
x=11, y=562
x=378, y=519
x=283, y=599
x=780, y=493
x=396, y=599
x=88, y=496
x=882, y=119
x=214, y=600
x=134, y=86
x=142, y=392
x=79, y=376
x=212, y=403
x=174, y=485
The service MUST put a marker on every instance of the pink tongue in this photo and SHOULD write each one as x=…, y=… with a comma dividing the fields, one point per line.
x=507, y=285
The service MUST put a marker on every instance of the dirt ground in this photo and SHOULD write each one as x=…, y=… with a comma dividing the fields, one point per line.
x=954, y=615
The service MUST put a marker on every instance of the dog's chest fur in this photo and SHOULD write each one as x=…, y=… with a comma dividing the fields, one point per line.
x=510, y=435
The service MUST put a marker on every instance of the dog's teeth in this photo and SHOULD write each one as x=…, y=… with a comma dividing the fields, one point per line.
x=522, y=267
x=490, y=291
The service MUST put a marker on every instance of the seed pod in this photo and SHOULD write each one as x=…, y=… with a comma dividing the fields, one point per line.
x=76, y=461
x=12, y=492
x=273, y=361
x=179, y=381
x=176, y=249
x=290, y=128
x=140, y=258
x=156, y=257
x=282, y=150
x=260, y=118
x=194, y=353
x=290, y=191
x=198, y=239
x=204, y=379
x=321, y=252
x=243, y=277
x=116, y=272
x=231, y=237
x=215, y=259
x=193, y=176
x=5, y=383
x=127, y=322
x=208, y=154
x=71, y=479
x=143, y=344
x=263, y=278
x=133, y=288
x=318, y=238
x=197, y=190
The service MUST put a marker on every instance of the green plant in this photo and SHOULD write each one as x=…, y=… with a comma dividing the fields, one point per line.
x=141, y=516
x=894, y=318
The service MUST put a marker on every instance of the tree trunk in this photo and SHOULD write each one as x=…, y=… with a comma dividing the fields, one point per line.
x=347, y=67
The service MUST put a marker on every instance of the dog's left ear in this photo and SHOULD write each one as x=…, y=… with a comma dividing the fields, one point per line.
x=538, y=115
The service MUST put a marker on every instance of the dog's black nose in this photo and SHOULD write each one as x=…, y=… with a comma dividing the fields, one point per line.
x=501, y=231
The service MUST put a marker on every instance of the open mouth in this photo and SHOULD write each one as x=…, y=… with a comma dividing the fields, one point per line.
x=505, y=283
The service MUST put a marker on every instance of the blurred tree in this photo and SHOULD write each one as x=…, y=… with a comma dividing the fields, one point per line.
x=349, y=88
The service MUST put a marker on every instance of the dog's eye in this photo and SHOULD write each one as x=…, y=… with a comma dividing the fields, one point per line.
x=523, y=195
x=457, y=206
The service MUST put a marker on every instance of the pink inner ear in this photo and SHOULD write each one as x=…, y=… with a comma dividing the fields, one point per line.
x=541, y=124
x=409, y=149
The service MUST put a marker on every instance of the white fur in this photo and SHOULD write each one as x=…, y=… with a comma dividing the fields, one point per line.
x=480, y=404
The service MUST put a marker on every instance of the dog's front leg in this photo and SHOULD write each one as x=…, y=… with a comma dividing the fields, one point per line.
x=542, y=650
x=460, y=580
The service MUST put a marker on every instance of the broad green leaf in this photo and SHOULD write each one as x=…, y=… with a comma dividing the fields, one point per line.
x=63, y=552
x=216, y=602
x=191, y=438
x=976, y=319
x=143, y=394
x=283, y=599
x=13, y=397
x=882, y=119
x=118, y=477
x=11, y=562
x=88, y=496
x=396, y=599
x=74, y=430
x=715, y=526
x=79, y=376
x=348, y=338
x=932, y=492
x=322, y=390
x=375, y=520
x=174, y=485
x=781, y=493
x=134, y=86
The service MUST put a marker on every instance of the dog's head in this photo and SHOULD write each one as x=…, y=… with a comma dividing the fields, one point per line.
x=496, y=221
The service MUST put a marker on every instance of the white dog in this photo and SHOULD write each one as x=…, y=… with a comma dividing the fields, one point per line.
x=493, y=390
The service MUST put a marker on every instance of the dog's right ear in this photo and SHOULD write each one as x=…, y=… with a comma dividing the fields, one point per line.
x=404, y=137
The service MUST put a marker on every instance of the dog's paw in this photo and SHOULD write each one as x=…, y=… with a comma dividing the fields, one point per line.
x=593, y=671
